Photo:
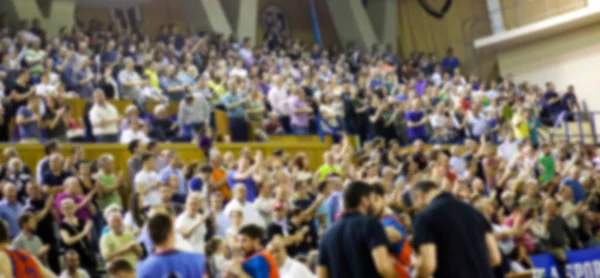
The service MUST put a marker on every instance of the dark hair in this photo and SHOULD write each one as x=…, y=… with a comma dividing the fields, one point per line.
x=425, y=186
x=212, y=246
x=50, y=147
x=137, y=213
x=119, y=266
x=24, y=218
x=322, y=186
x=206, y=169
x=146, y=157
x=133, y=145
x=353, y=194
x=252, y=231
x=378, y=189
x=151, y=145
x=4, y=234
x=159, y=227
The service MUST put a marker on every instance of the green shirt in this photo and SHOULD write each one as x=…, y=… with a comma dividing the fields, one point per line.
x=111, y=242
x=106, y=181
x=35, y=55
x=547, y=161
x=325, y=170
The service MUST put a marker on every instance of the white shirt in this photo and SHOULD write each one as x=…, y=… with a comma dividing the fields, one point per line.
x=44, y=89
x=479, y=123
x=249, y=212
x=238, y=72
x=278, y=98
x=436, y=78
x=506, y=244
x=129, y=135
x=508, y=150
x=196, y=239
x=146, y=179
x=108, y=112
x=458, y=165
x=292, y=268
x=80, y=273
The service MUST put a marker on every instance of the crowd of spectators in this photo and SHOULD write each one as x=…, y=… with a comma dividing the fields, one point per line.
x=540, y=196
x=284, y=87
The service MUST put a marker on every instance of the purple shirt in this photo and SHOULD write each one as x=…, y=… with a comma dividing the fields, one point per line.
x=418, y=131
x=420, y=86
x=83, y=214
x=300, y=120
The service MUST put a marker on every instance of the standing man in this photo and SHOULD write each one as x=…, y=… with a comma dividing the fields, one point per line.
x=104, y=118
x=166, y=261
x=396, y=234
x=452, y=239
x=257, y=263
x=356, y=245
x=234, y=103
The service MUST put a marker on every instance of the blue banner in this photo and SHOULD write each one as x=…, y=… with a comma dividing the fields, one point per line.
x=581, y=264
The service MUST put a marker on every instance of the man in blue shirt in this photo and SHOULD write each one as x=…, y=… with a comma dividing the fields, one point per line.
x=10, y=209
x=450, y=62
x=576, y=187
x=165, y=260
x=28, y=120
x=174, y=168
x=234, y=103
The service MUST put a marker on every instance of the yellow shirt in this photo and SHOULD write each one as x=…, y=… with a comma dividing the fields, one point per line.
x=153, y=77
x=521, y=129
x=111, y=242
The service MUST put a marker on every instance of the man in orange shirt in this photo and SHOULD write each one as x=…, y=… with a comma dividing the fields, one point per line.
x=218, y=177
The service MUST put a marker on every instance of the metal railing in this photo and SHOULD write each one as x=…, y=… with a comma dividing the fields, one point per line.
x=565, y=120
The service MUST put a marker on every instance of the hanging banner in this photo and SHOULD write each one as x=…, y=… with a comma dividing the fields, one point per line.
x=581, y=264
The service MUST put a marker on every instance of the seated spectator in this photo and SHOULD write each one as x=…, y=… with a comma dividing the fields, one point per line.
x=194, y=114
x=55, y=121
x=104, y=118
x=10, y=208
x=72, y=269
x=54, y=177
x=27, y=240
x=29, y=121
x=416, y=121
x=17, y=174
x=151, y=93
x=163, y=128
x=108, y=84
x=441, y=125
x=83, y=208
x=174, y=167
x=173, y=88
x=130, y=82
x=135, y=131
x=187, y=75
x=119, y=243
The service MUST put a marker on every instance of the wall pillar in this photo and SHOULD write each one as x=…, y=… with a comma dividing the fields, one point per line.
x=352, y=22
x=205, y=15
x=52, y=14
x=496, y=17
x=384, y=19
x=242, y=16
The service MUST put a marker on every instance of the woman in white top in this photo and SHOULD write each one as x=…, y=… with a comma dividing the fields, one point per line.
x=440, y=123
x=328, y=114
x=191, y=224
x=235, y=218
x=135, y=131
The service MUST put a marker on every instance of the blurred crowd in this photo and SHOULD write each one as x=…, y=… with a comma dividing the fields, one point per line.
x=281, y=87
x=78, y=215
